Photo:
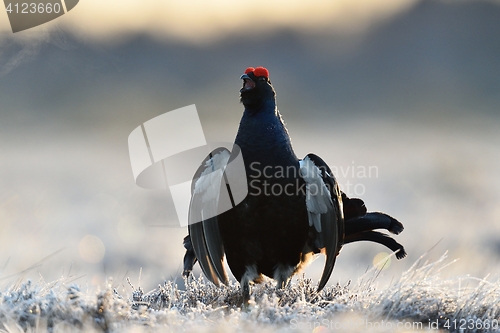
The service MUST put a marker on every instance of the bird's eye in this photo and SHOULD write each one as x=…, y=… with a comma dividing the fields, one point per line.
x=262, y=78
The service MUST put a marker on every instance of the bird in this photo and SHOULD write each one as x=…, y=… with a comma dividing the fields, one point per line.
x=293, y=211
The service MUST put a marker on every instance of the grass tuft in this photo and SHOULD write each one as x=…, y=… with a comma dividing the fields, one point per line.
x=420, y=299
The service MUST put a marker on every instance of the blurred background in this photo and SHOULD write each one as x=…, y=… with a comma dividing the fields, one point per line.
x=401, y=98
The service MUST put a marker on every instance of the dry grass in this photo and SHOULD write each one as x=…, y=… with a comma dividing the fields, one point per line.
x=419, y=300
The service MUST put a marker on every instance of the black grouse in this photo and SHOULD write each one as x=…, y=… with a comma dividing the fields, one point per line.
x=294, y=207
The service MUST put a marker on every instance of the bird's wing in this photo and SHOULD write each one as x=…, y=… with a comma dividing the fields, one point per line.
x=324, y=206
x=203, y=210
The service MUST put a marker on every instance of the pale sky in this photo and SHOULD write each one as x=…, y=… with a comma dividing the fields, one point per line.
x=200, y=20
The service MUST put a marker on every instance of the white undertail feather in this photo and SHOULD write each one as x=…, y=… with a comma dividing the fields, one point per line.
x=318, y=197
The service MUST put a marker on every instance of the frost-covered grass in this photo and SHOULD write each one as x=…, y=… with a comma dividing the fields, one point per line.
x=419, y=300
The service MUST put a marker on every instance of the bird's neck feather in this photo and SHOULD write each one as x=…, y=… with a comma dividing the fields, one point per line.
x=263, y=136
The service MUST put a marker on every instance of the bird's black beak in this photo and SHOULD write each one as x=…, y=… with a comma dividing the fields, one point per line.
x=248, y=83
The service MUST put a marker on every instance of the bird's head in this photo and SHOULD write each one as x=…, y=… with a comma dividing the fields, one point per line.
x=257, y=90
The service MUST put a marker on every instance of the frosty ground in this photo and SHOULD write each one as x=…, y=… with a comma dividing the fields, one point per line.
x=420, y=300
